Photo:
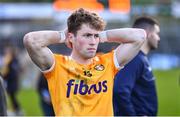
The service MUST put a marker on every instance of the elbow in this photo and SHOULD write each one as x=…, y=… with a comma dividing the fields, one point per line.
x=29, y=40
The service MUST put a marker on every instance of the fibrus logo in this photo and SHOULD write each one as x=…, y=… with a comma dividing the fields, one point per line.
x=83, y=89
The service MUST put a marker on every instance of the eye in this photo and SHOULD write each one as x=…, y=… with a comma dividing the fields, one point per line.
x=87, y=35
x=96, y=36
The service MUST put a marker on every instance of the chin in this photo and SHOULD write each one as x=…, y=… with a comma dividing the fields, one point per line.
x=90, y=56
x=153, y=47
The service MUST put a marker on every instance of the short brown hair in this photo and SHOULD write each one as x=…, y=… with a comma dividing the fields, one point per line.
x=81, y=16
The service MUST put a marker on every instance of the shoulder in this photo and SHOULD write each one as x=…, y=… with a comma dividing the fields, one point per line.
x=106, y=59
x=137, y=60
x=105, y=56
x=60, y=57
x=136, y=63
x=142, y=58
x=134, y=68
x=109, y=58
x=62, y=60
x=108, y=54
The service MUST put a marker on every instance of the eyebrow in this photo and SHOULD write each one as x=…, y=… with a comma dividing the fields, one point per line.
x=91, y=34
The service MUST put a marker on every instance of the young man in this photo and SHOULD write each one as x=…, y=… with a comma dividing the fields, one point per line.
x=82, y=83
x=134, y=86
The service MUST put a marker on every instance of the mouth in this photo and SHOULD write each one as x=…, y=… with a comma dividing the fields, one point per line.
x=92, y=49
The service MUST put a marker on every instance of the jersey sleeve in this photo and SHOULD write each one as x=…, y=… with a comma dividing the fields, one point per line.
x=116, y=61
x=50, y=72
x=112, y=61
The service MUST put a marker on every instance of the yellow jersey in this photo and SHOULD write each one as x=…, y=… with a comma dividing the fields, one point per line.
x=78, y=89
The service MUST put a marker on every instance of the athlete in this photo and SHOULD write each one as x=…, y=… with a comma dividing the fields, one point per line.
x=134, y=86
x=82, y=83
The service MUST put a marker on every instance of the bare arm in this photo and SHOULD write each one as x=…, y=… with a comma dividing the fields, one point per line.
x=36, y=44
x=131, y=40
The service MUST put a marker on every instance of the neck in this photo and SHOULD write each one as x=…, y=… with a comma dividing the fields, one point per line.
x=145, y=49
x=80, y=59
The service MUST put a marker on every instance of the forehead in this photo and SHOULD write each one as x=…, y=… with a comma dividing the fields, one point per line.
x=86, y=28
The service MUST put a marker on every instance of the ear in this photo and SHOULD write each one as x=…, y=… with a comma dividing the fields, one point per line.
x=149, y=35
x=70, y=37
x=69, y=40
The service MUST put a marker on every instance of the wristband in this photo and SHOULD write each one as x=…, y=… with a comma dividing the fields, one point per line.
x=103, y=36
x=62, y=36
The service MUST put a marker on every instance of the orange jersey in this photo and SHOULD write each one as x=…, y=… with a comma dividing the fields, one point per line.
x=77, y=89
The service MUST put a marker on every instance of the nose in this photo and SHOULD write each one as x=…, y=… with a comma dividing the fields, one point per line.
x=93, y=40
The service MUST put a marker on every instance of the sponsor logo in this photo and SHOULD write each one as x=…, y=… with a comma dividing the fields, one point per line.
x=84, y=89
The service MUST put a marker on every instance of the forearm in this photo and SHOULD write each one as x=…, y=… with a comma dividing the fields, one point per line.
x=131, y=38
x=42, y=38
x=123, y=35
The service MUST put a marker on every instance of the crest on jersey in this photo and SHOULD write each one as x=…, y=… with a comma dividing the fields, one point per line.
x=99, y=67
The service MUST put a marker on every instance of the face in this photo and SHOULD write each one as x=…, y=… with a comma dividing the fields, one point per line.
x=85, y=42
x=153, y=38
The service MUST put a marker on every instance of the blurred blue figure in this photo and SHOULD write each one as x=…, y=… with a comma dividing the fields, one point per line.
x=3, y=110
x=44, y=95
x=11, y=77
x=134, y=85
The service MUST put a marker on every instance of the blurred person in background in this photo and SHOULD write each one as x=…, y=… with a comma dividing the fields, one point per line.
x=134, y=85
x=10, y=75
x=3, y=105
x=45, y=99
x=82, y=83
